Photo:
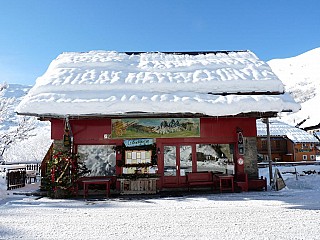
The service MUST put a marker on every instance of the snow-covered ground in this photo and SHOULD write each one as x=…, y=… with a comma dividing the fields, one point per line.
x=292, y=213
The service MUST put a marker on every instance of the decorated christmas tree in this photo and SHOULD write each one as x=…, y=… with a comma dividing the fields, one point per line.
x=63, y=172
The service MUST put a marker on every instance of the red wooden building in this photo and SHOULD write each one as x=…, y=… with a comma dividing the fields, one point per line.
x=149, y=120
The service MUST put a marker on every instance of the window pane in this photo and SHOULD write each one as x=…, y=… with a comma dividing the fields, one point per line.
x=170, y=157
x=185, y=160
x=215, y=157
x=99, y=159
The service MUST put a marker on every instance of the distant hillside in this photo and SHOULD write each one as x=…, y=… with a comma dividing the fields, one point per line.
x=301, y=77
x=18, y=92
x=34, y=148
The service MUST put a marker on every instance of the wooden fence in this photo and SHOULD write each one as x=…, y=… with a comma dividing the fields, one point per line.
x=16, y=177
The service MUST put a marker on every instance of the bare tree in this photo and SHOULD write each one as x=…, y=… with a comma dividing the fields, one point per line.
x=21, y=128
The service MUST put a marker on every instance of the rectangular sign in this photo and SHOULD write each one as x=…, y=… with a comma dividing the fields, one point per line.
x=156, y=128
x=138, y=142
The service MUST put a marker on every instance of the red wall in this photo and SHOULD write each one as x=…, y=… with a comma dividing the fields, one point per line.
x=84, y=131
x=225, y=127
x=216, y=130
x=92, y=131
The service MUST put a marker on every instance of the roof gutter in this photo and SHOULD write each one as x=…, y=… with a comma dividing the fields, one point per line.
x=45, y=117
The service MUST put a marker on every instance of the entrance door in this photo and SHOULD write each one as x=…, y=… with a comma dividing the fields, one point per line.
x=177, y=162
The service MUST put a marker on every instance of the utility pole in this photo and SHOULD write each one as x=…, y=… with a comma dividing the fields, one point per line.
x=269, y=151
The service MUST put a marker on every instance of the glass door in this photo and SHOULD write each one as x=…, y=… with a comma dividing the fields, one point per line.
x=177, y=162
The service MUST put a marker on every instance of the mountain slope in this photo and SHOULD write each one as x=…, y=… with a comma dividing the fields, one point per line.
x=301, y=77
x=34, y=148
x=16, y=91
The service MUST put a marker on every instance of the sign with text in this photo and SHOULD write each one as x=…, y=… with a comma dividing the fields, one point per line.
x=138, y=142
x=240, y=144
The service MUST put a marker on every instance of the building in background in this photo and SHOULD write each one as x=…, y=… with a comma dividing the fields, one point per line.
x=288, y=143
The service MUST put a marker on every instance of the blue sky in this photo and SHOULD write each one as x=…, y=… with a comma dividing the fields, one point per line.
x=33, y=33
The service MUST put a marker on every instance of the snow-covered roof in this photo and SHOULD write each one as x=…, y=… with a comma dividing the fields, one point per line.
x=280, y=129
x=317, y=135
x=113, y=83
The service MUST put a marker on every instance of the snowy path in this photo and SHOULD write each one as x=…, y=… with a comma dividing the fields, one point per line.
x=292, y=213
x=263, y=215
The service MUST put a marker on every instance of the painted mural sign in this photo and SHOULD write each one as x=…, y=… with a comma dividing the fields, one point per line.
x=156, y=128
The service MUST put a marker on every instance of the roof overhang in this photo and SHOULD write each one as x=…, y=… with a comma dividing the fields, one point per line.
x=46, y=117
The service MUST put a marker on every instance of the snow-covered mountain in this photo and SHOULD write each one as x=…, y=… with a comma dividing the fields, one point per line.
x=301, y=77
x=16, y=91
x=34, y=148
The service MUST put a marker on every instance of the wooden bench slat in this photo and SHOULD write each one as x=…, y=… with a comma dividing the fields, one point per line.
x=200, y=179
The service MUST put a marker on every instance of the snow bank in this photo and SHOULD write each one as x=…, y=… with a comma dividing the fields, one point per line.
x=3, y=185
x=301, y=177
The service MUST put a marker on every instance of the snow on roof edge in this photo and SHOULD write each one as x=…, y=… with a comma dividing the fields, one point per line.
x=102, y=79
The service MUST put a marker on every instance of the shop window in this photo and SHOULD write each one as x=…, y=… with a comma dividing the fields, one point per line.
x=138, y=162
x=304, y=157
x=185, y=160
x=215, y=157
x=99, y=159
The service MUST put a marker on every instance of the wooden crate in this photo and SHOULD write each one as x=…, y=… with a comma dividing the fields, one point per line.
x=138, y=186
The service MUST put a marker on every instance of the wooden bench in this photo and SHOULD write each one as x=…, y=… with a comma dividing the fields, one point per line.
x=198, y=179
x=241, y=182
x=87, y=181
x=86, y=184
x=258, y=184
